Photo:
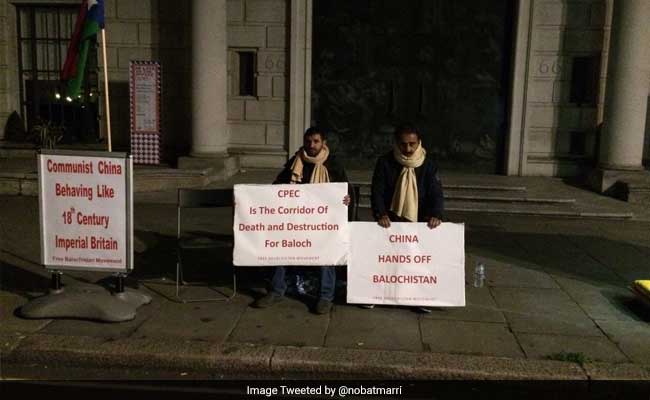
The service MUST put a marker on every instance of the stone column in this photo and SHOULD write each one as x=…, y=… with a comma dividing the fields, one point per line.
x=209, y=78
x=628, y=80
x=300, y=52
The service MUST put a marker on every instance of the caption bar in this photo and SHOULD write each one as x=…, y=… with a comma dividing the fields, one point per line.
x=334, y=391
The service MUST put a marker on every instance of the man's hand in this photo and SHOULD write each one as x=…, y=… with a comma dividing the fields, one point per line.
x=346, y=200
x=384, y=221
x=433, y=222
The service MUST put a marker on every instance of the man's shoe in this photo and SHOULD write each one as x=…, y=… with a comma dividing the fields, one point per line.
x=267, y=301
x=367, y=306
x=323, y=306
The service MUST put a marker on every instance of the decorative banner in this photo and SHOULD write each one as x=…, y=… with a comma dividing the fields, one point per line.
x=145, y=94
x=145, y=148
x=86, y=205
x=290, y=224
x=407, y=264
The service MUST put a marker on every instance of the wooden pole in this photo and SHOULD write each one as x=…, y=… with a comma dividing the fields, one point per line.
x=108, y=107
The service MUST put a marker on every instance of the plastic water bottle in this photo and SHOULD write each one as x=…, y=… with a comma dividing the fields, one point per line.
x=479, y=275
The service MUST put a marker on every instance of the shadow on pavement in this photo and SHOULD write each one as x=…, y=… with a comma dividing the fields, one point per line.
x=21, y=281
x=158, y=258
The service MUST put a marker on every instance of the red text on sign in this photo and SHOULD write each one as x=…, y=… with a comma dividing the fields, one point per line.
x=403, y=238
x=83, y=167
x=404, y=259
x=416, y=279
x=108, y=168
x=289, y=193
x=287, y=243
x=104, y=191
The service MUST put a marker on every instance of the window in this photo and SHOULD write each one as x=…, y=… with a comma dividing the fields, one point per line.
x=584, y=80
x=242, y=72
x=43, y=36
x=246, y=73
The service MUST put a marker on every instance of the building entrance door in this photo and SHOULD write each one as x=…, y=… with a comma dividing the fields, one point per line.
x=441, y=65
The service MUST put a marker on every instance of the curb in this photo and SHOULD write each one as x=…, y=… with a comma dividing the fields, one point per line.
x=297, y=362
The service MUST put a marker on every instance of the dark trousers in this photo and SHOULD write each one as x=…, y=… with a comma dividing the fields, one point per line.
x=327, y=282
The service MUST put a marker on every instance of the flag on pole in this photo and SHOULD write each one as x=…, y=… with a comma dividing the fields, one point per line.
x=89, y=21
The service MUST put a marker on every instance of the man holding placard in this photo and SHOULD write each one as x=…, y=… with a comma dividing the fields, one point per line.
x=312, y=163
x=405, y=184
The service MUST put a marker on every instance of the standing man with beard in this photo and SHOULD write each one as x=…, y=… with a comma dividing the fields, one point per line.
x=406, y=186
x=312, y=163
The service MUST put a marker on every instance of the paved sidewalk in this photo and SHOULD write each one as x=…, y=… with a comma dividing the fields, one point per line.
x=555, y=306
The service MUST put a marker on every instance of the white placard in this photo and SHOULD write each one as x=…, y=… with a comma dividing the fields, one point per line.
x=85, y=205
x=290, y=224
x=407, y=264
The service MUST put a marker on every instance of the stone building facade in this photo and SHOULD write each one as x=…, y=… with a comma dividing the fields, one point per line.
x=211, y=113
x=561, y=32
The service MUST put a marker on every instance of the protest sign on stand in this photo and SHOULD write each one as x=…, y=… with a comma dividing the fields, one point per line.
x=290, y=224
x=86, y=220
x=86, y=210
x=407, y=264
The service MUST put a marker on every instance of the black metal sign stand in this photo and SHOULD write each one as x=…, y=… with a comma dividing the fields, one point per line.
x=119, y=283
x=56, y=282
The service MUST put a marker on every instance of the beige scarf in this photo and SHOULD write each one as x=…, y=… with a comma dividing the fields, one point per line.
x=405, y=197
x=319, y=175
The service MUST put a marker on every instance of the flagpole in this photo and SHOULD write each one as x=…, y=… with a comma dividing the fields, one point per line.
x=108, y=107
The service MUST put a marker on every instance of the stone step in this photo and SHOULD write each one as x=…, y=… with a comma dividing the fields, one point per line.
x=155, y=179
x=485, y=187
x=529, y=210
x=568, y=210
x=497, y=199
x=145, y=179
x=491, y=197
x=507, y=199
x=15, y=150
x=540, y=212
x=365, y=187
x=484, y=193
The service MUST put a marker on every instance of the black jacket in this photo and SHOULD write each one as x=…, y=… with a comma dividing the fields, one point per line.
x=384, y=180
x=334, y=169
